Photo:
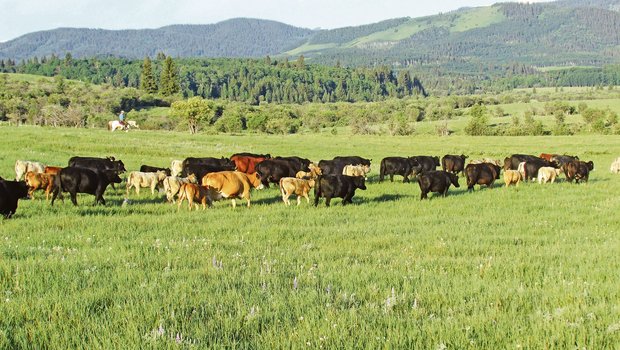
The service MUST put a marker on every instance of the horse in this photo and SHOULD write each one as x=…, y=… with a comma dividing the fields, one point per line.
x=116, y=125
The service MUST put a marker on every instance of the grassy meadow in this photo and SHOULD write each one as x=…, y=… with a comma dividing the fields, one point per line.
x=529, y=267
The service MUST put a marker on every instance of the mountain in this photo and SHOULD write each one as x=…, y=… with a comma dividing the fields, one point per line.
x=502, y=36
x=240, y=37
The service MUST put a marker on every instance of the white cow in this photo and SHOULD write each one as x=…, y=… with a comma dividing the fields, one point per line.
x=139, y=179
x=547, y=174
x=615, y=166
x=176, y=167
x=172, y=185
x=24, y=166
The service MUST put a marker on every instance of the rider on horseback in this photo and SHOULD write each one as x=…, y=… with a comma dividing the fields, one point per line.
x=121, y=119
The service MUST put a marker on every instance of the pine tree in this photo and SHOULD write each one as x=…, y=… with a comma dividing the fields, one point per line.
x=147, y=80
x=169, y=83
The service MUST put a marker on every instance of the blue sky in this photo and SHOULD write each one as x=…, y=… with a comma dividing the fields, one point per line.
x=19, y=17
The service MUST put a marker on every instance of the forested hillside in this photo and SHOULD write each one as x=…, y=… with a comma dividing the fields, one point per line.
x=241, y=37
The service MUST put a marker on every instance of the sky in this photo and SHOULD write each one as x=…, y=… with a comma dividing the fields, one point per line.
x=19, y=17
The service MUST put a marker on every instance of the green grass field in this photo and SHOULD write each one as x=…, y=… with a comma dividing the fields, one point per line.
x=529, y=267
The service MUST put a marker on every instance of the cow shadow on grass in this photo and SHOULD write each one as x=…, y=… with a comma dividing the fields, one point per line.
x=391, y=197
x=275, y=199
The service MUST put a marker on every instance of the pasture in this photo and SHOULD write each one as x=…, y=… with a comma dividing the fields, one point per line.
x=529, y=267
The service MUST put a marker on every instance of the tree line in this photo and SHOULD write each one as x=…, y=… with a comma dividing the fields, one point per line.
x=244, y=80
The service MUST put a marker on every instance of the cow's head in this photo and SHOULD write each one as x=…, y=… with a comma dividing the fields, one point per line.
x=590, y=165
x=161, y=175
x=436, y=161
x=359, y=182
x=112, y=176
x=454, y=179
x=256, y=180
x=507, y=163
x=463, y=157
x=119, y=166
x=192, y=179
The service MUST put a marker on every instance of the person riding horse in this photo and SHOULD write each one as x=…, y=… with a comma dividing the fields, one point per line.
x=121, y=119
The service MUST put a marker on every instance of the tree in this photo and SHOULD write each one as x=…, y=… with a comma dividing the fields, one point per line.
x=169, y=82
x=477, y=124
x=193, y=110
x=147, y=80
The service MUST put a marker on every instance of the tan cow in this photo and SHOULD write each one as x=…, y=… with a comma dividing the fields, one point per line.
x=39, y=181
x=314, y=172
x=24, y=166
x=512, y=177
x=172, y=185
x=299, y=187
x=193, y=192
x=139, y=179
x=486, y=160
x=176, y=167
x=547, y=174
x=231, y=184
x=356, y=170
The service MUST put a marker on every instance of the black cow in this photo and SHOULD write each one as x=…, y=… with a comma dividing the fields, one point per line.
x=333, y=167
x=453, y=163
x=82, y=180
x=399, y=166
x=481, y=174
x=341, y=186
x=532, y=167
x=512, y=162
x=95, y=163
x=561, y=159
x=578, y=170
x=428, y=163
x=296, y=163
x=437, y=182
x=10, y=193
x=153, y=169
x=272, y=170
x=353, y=160
x=202, y=166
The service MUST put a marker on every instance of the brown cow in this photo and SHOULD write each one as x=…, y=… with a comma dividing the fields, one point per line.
x=193, y=192
x=246, y=164
x=231, y=184
x=53, y=170
x=299, y=187
x=39, y=181
x=546, y=156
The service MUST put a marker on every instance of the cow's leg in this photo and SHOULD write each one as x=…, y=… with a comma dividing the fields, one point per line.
x=307, y=198
x=285, y=198
x=73, y=198
x=298, y=200
x=423, y=195
x=234, y=203
x=327, y=200
x=391, y=177
x=55, y=194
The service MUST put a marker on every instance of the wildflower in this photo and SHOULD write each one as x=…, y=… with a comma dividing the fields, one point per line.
x=295, y=283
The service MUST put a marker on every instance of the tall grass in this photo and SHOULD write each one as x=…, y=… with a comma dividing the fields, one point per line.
x=529, y=267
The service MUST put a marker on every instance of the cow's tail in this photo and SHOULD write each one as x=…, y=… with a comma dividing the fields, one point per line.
x=317, y=190
x=525, y=172
x=281, y=187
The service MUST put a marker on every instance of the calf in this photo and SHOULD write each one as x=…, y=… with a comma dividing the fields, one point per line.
x=176, y=167
x=314, y=172
x=193, y=192
x=24, y=166
x=547, y=174
x=578, y=170
x=39, y=181
x=615, y=166
x=341, y=186
x=437, y=182
x=512, y=177
x=299, y=187
x=356, y=170
x=172, y=185
x=10, y=193
x=139, y=179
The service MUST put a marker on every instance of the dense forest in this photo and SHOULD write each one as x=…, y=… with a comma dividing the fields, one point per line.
x=244, y=80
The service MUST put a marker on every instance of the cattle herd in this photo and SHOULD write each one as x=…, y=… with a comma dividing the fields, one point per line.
x=204, y=180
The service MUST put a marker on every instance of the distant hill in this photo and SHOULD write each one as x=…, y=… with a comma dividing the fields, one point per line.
x=241, y=37
x=504, y=36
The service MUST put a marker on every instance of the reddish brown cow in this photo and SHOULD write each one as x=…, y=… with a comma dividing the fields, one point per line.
x=546, y=156
x=52, y=170
x=246, y=164
x=36, y=181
